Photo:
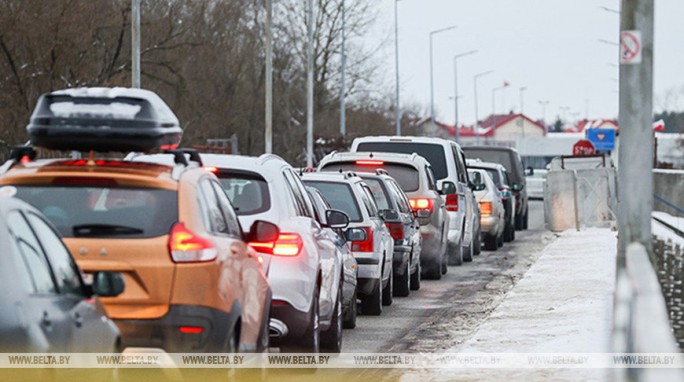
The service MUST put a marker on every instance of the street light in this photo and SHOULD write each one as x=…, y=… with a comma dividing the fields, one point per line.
x=456, y=57
x=309, y=85
x=397, y=110
x=494, y=119
x=543, y=104
x=135, y=43
x=432, y=84
x=477, y=119
x=343, y=62
x=268, y=115
x=522, y=111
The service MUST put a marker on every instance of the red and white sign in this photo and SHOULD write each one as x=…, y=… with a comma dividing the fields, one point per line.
x=630, y=47
x=583, y=147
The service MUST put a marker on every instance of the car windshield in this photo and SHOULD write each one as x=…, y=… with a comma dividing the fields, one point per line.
x=247, y=191
x=495, y=156
x=494, y=174
x=434, y=153
x=105, y=211
x=407, y=176
x=340, y=197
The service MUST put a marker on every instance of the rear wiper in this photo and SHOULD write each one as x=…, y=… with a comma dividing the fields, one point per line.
x=104, y=229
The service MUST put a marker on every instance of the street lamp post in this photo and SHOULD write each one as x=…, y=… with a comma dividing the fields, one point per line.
x=268, y=123
x=477, y=119
x=135, y=43
x=309, y=86
x=522, y=111
x=397, y=107
x=343, y=85
x=494, y=118
x=456, y=57
x=432, y=82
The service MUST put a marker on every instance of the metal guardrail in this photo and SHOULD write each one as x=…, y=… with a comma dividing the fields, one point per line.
x=668, y=203
x=641, y=322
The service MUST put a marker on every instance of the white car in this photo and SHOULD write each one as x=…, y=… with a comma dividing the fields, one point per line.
x=536, y=178
x=373, y=250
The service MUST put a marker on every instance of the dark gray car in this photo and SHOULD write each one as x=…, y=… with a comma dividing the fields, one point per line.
x=46, y=307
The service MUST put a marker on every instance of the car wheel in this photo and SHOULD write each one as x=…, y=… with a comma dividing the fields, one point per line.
x=477, y=247
x=468, y=253
x=350, y=320
x=387, y=292
x=232, y=342
x=526, y=218
x=455, y=256
x=372, y=304
x=509, y=233
x=518, y=221
x=499, y=241
x=331, y=339
x=490, y=243
x=403, y=286
x=444, y=269
x=415, y=278
x=310, y=341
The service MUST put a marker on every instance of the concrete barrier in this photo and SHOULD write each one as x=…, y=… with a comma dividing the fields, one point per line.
x=580, y=198
x=668, y=186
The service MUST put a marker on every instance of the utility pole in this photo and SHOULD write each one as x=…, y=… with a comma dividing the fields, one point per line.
x=522, y=111
x=477, y=119
x=635, y=191
x=456, y=57
x=268, y=123
x=309, y=86
x=343, y=63
x=135, y=43
x=397, y=107
x=432, y=81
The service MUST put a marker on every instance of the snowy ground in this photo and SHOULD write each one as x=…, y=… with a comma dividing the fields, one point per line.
x=563, y=304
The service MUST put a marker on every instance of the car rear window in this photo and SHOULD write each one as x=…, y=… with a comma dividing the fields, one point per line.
x=496, y=156
x=105, y=212
x=434, y=153
x=493, y=173
x=379, y=192
x=407, y=176
x=340, y=197
x=248, y=191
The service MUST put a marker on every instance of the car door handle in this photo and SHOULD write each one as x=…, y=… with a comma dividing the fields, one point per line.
x=46, y=319
x=78, y=320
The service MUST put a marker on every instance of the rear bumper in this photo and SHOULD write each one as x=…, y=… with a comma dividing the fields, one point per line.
x=217, y=327
x=296, y=322
x=367, y=286
x=401, y=258
x=370, y=266
x=489, y=225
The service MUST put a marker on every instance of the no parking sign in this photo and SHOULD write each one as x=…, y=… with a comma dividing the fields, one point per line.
x=630, y=47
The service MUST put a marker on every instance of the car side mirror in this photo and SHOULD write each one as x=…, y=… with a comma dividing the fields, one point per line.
x=336, y=219
x=448, y=188
x=355, y=234
x=108, y=284
x=517, y=187
x=529, y=171
x=389, y=215
x=477, y=186
x=263, y=231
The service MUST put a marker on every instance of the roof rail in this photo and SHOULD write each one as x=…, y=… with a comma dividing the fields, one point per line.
x=381, y=171
x=18, y=154
x=179, y=156
x=350, y=174
x=265, y=157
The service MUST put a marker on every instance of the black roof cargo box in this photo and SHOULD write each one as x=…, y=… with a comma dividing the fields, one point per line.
x=103, y=120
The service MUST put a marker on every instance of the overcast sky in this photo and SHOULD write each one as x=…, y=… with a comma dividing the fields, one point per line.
x=549, y=46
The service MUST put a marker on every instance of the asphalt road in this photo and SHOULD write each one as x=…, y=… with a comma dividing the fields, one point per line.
x=444, y=313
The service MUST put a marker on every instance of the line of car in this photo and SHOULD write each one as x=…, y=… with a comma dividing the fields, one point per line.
x=161, y=237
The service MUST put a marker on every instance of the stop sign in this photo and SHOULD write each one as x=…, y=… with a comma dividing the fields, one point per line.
x=583, y=147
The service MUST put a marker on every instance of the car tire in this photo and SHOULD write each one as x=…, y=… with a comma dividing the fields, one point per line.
x=310, y=342
x=372, y=304
x=415, y=278
x=331, y=339
x=500, y=241
x=526, y=219
x=477, y=247
x=509, y=233
x=389, y=289
x=350, y=320
x=455, y=256
x=433, y=270
x=403, y=286
x=468, y=253
x=490, y=243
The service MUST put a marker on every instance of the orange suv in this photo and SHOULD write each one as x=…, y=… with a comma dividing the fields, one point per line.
x=192, y=282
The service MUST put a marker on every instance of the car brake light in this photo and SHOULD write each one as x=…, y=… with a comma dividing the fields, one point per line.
x=211, y=169
x=370, y=162
x=452, y=202
x=191, y=329
x=366, y=245
x=396, y=230
x=287, y=244
x=486, y=208
x=421, y=204
x=186, y=247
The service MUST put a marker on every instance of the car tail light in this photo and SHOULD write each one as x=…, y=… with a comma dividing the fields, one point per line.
x=486, y=208
x=287, y=244
x=211, y=169
x=186, y=247
x=421, y=204
x=366, y=245
x=370, y=162
x=191, y=329
x=396, y=230
x=452, y=202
